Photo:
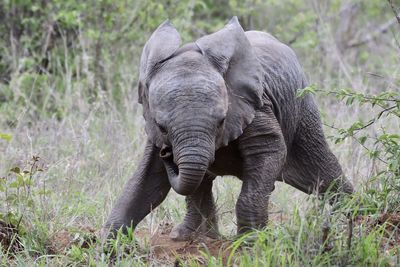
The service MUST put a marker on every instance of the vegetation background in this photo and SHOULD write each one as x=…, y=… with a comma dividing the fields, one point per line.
x=71, y=131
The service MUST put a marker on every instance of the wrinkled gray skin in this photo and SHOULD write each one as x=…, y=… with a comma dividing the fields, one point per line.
x=224, y=105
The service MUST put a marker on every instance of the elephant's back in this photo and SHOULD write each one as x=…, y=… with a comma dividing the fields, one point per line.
x=261, y=38
x=283, y=76
x=267, y=43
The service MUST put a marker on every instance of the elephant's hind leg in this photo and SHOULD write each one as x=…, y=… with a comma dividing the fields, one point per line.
x=200, y=219
x=311, y=166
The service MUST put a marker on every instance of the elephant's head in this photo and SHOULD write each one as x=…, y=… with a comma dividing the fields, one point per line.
x=197, y=98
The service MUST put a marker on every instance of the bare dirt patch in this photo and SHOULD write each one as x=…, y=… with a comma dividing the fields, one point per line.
x=163, y=249
x=64, y=239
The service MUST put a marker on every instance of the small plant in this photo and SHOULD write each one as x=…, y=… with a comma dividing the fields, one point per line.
x=18, y=196
x=382, y=189
x=17, y=189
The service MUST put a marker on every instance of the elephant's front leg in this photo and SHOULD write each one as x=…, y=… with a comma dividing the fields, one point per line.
x=143, y=192
x=200, y=219
x=263, y=151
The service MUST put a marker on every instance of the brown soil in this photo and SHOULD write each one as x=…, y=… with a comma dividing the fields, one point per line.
x=61, y=241
x=163, y=249
x=393, y=219
x=391, y=222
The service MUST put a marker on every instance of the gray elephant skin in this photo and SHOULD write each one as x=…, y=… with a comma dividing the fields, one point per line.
x=224, y=105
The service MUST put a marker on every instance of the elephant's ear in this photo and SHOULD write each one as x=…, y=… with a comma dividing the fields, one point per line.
x=161, y=45
x=231, y=53
x=164, y=41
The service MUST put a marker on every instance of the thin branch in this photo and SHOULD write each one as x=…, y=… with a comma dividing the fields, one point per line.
x=372, y=121
x=397, y=14
x=365, y=97
x=366, y=125
x=372, y=36
x=395, y=39
x=386, y=110
x=357, y=140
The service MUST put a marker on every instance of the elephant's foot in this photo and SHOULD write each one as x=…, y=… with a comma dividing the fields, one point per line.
x=182, y=232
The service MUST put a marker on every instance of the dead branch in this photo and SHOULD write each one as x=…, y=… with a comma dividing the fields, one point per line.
x=366, y=38
x=326, y=228
x=350, y=232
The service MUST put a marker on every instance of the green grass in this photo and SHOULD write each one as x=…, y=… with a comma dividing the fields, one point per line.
x=87, y=159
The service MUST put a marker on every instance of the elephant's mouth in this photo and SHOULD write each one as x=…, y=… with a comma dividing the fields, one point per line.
x=170, y=166
x=166, y=152
x=168, y=159
x=172, y=170
x=184, y=177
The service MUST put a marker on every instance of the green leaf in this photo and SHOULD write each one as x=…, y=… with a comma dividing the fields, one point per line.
x=362, y=139
x=307, y=90
x=16, y=170
x=349, y=100
x=30, y=203
x=6, y=137
x=20, y=179
x=14, y=184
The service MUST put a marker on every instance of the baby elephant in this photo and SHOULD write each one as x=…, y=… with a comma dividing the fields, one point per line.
x=224, y=105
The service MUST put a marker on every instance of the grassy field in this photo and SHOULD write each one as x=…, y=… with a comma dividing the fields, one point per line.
x=72, y=133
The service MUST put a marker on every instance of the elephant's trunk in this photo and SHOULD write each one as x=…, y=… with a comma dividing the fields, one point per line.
x=188, y=174
x=187, y=179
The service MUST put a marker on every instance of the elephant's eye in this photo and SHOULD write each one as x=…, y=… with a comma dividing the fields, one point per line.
x=163, y=130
